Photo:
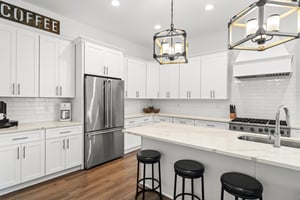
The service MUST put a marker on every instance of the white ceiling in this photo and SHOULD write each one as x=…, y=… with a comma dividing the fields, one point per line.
x=134, y=20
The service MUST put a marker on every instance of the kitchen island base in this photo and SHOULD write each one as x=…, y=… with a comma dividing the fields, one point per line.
x=279, y=183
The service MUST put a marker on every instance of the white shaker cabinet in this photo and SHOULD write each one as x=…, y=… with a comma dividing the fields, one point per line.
x=214, y=76
x=136, y=79
x=10, y=166
x=19, y=55
x=102, y=61
x=63, y=149
x=169, y=81
x=190, y=79
x=22, y=157
x=57, y=67
x=152, y=84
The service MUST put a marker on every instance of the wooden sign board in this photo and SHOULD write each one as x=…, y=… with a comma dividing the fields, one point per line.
x=29, y=18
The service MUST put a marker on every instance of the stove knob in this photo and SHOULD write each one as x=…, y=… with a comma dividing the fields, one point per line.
x=281, y=132
x=260, y=130
x=241, y=128
x=266, y=130
x=252, y=129
x=233, y=127
x=272, y=131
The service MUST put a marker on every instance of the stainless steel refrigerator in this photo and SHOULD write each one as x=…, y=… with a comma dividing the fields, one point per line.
x=104, y=120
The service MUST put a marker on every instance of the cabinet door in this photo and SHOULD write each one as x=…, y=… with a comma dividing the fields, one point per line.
x=8, y=59
x=131, y=142
x=66, y=69
x=190, y=79
x=74, y=147
x=136, y=86
x=164, y=80
x=152, y=84
x=113, y=61
x=94, y=64
x=55, y=155
x=214, y=67
x=33, y=160
x=10, y=165
x=27, y=64
x=48, y=67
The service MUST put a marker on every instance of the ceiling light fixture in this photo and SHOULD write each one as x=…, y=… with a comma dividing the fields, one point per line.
x=157, y=27
x=209, y=7
x=170, y=46
x=115, y=3
x=265, y=24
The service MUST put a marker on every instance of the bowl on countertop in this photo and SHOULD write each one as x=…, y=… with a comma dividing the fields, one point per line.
x=147, y=110
x=156, y=110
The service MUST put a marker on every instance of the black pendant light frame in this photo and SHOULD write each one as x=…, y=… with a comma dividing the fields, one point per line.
x=176, y=58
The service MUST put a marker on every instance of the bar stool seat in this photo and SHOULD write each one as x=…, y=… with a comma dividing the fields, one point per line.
x=148, y=156
x=189, y=169
x=241, y=185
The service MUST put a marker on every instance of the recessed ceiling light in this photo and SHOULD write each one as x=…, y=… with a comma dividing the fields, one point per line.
x=157, y=26
x=115, y=3
x=209, y=7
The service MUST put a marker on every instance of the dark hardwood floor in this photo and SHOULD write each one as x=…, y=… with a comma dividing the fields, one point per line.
x=115, y=180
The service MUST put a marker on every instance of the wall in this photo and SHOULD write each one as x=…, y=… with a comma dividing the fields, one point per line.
x=27, y=110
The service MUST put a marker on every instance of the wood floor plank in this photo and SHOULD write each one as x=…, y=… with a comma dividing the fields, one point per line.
x=115, y=180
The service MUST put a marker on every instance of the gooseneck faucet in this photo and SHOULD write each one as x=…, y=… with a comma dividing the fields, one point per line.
x=277, y=135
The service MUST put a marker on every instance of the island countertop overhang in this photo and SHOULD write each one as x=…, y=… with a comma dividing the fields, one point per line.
x=224, y=142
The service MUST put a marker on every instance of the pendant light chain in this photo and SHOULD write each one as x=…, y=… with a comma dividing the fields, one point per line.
x=172, y=10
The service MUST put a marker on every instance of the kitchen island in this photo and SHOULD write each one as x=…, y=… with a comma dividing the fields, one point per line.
x=278, y=169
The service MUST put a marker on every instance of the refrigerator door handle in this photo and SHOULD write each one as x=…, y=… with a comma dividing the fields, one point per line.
x=106, y=104
x=104, y=132
x=111, y=104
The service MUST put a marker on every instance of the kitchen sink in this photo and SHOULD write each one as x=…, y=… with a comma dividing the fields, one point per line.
x=265, y=140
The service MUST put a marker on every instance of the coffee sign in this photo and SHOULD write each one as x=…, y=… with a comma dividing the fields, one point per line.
x=26, y=17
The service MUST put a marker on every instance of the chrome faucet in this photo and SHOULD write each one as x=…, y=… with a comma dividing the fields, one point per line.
x=277, y=135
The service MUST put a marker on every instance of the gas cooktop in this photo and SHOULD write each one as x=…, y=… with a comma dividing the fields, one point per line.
x=260, y=126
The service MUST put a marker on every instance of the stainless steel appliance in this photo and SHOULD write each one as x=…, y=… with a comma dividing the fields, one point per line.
x=5, y=122
x=260, y=126
x=104, y=120
x=65, y=112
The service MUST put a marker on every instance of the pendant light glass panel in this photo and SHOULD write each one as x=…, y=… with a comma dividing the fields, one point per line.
x=264, y=24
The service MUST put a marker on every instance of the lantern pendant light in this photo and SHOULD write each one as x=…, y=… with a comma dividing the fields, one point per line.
x=265, y=24
x=170, y=46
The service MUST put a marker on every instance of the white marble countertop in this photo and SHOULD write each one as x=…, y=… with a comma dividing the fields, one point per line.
x=37, y=126
x=196, y=117
x=222, y=142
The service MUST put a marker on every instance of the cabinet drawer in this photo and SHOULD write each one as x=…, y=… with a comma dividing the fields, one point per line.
x=62, y=132
x=23, y=137
x=163, y=119
x=132, y=122
x=146, y=120
x=208, y=124
x=184, y=121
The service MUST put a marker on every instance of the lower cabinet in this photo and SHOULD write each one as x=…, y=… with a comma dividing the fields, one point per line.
x=22, y=158
x=184, y=121
x=63, y=151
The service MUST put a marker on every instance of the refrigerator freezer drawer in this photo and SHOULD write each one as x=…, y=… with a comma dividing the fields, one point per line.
x=103, y=146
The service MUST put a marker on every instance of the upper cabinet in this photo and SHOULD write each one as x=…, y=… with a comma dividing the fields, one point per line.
x=152, y=83
x=57, y=67
x=214, y=76
x=19, y=55
x=190, y=79
x=136, y=79
x=169, y=81
x=102, y=61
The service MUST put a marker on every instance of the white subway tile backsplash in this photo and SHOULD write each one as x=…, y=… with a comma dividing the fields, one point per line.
x=27, y=110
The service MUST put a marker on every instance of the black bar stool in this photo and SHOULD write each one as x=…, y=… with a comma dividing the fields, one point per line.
x=192, y=170
x=148, y=157
x=241, y=186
